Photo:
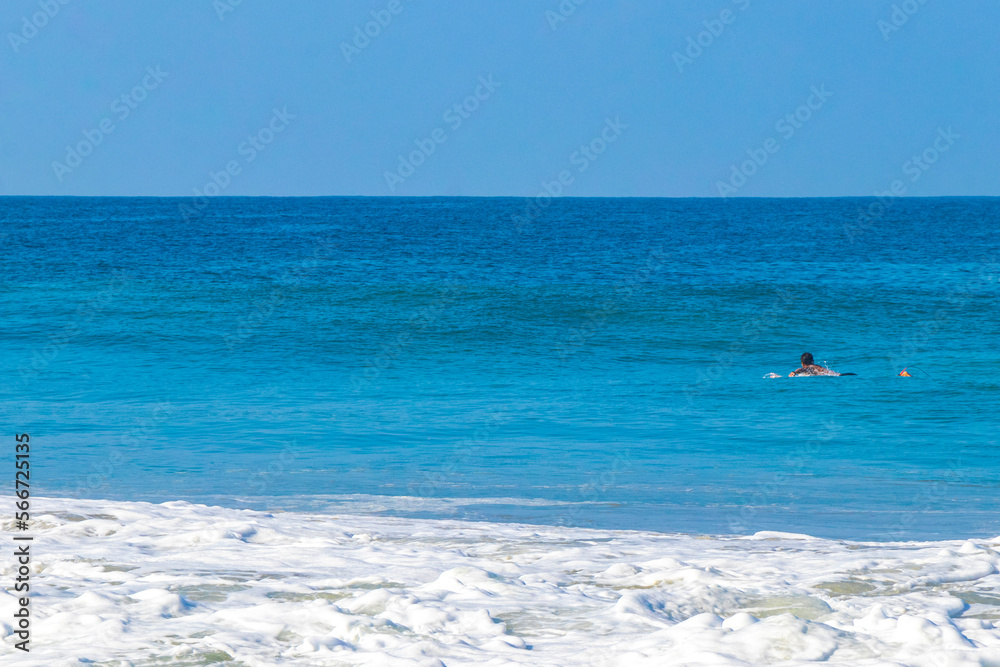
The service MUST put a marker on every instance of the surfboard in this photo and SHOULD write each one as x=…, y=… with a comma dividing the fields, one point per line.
x=775, y=375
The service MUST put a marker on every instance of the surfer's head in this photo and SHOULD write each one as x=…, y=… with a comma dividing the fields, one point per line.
x=807, y=359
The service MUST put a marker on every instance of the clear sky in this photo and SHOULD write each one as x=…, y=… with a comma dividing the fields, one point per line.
x=620, y=98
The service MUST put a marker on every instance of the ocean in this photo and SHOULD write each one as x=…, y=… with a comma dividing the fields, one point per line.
x=574, y=377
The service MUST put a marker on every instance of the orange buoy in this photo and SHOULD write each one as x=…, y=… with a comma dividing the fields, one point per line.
x=904, y=374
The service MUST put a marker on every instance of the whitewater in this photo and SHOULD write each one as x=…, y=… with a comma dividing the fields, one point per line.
x=135, y=583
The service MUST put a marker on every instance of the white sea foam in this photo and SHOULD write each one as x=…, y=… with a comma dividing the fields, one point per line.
x=361, y=503
x=118, y=583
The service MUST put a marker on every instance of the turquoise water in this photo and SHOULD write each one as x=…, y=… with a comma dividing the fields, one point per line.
x=600, y=366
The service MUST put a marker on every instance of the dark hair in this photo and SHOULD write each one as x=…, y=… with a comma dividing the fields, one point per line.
x=807, y=359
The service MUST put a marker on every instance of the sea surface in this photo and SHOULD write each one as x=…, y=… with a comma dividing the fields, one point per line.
x=589, y=363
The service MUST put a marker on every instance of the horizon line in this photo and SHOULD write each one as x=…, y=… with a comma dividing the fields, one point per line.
x=715, y=197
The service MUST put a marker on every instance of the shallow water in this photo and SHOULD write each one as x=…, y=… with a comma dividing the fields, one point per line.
x=602, y=366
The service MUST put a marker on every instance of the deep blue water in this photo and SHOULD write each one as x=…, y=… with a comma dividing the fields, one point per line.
x=607, y=358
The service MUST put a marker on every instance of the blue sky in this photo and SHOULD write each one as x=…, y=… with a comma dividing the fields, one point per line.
x=596, y=99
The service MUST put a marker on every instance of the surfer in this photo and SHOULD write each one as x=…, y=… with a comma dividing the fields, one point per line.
x=810, y=368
